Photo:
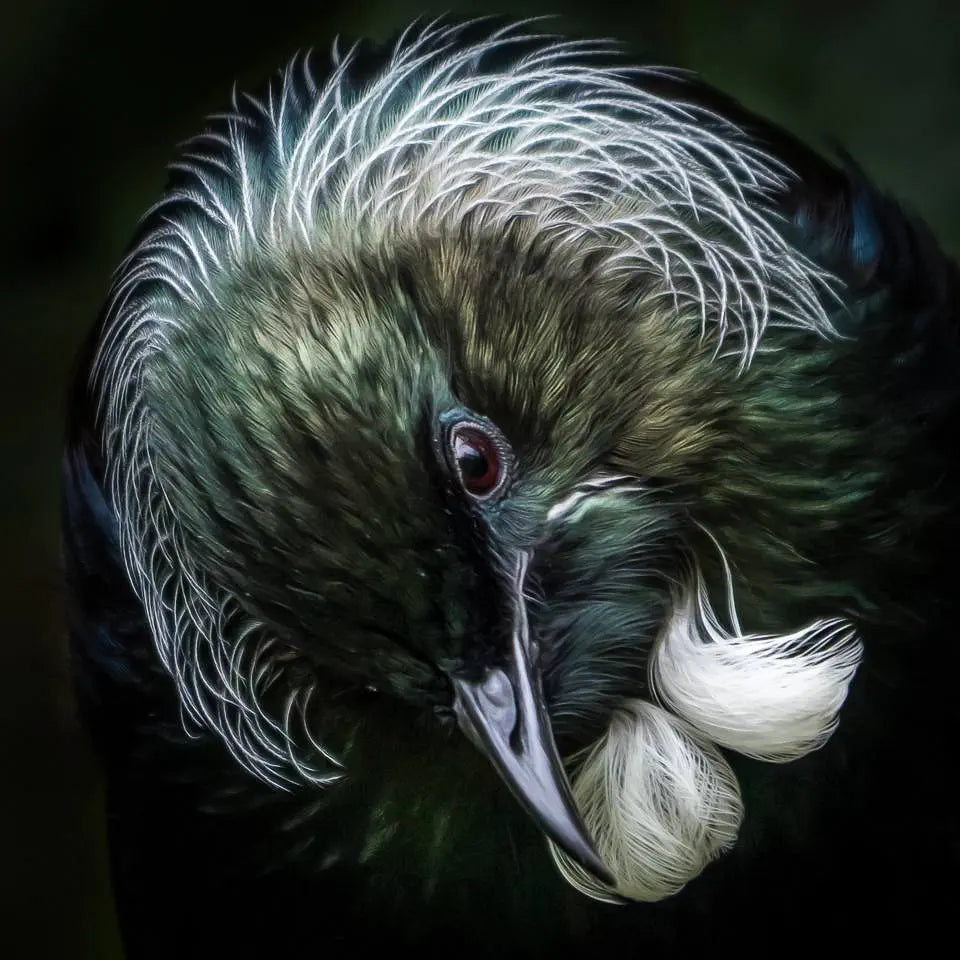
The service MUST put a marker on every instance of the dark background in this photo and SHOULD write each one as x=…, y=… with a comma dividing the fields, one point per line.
x=94, y=95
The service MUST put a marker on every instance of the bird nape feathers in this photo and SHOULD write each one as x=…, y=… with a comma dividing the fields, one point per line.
x=509, y=505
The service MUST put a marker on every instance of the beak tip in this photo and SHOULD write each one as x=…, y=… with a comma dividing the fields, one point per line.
x=583, y=852
x=599, y=869
x=487, y=714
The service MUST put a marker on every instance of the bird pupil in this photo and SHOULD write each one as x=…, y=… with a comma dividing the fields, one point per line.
x=473, y=465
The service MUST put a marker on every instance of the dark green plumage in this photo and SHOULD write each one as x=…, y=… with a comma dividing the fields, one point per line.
x=265, y=521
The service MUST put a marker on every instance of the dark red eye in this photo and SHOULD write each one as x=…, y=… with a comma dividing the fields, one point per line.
x=478, y=459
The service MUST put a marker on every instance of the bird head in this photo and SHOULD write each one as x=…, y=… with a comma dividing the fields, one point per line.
x=345, y=449
x=444, y=398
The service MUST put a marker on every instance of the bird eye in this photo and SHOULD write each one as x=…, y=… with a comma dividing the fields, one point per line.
x=479, y=457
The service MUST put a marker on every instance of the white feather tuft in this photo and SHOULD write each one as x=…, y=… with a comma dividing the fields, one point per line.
x=773, y=697
x=660, y=804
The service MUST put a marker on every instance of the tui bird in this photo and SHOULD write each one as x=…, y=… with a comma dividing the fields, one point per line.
x=509, y=502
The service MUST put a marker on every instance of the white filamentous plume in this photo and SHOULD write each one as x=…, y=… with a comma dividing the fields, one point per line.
x=771, y=697
x=659, y=801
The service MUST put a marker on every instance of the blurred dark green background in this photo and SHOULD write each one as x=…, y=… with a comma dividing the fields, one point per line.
x=93, y=97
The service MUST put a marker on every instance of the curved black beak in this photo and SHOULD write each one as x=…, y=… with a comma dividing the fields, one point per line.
x=505, y=716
